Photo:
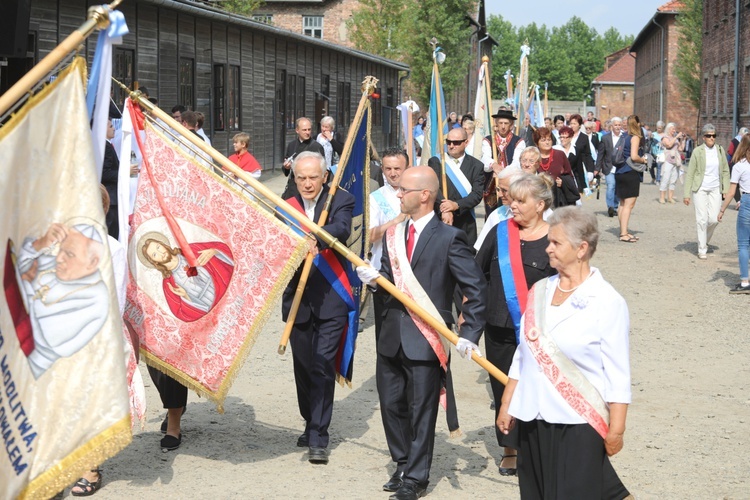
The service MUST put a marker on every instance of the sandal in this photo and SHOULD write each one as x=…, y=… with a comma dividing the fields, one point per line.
x=507, y=471
x=627, y=238
x=87, y=488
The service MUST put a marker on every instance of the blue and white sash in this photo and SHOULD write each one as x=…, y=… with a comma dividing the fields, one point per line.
x=387, y=209
x=459, y=180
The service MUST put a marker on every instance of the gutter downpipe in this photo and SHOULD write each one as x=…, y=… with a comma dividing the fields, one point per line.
x=736, y=103
x=661, y=78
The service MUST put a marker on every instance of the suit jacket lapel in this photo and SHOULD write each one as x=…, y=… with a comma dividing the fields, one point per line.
x=424, y=238
x=320, y=204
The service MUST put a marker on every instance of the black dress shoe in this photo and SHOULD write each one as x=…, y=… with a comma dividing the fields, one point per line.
x=611, y=212
x=395, y=482
x=507, y=471
x=303, y=441
x=408, y=491
x=169, y=443
x=317, y=455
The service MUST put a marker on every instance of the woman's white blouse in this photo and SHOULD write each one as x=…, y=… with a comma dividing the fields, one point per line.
x=591, y=328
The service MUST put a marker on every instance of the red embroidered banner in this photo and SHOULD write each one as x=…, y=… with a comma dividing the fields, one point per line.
x=198, y=327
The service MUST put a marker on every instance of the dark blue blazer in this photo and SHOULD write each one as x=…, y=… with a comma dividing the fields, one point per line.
x=441, y=260
x=319, y=298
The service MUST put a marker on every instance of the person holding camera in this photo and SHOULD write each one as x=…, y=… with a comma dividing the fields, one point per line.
x=673, y=143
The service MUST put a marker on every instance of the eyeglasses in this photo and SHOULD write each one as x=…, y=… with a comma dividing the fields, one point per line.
x=454, y=143
x=709, y=136
x=407, y=190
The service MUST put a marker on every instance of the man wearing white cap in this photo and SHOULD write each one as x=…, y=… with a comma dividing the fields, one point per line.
x=64, y=294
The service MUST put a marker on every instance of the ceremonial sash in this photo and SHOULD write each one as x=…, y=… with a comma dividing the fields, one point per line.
x=459, y=180
x=332, y=270
x=385, y=207
x=511, y=271
x=404, y=279
x=564, y=375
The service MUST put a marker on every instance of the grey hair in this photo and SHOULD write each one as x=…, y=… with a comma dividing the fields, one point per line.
x=470, y=124
x=531, y=150
x=670, y=125
x=578, y=226
x=328, y=120
x=707, y=128
x=311, y=154
x=512, y=174
x=538, y=187
x=615, y=119
x=743, y=131
x=660, y=124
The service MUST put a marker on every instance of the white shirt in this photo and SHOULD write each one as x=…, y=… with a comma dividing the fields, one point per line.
x=520, y=146
x=419, y=226
x=741, y=176
x=711, y=177
x=486, y=151
x=591, y=328
x=201, y=133
x=309, y=206
x=378, y=217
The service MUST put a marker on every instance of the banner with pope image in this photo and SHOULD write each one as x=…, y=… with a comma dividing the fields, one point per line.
x=64, y=403
x=198, y=322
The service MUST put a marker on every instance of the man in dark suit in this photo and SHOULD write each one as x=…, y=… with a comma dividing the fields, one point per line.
x=110, y=172
x=468, y=172
x=408, y=371
x=322, y=314
x=303, y=142
x=604, y=163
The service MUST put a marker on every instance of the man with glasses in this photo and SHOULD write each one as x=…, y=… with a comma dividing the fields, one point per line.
x=604, y=161
x=428, y=260
x=465, y=175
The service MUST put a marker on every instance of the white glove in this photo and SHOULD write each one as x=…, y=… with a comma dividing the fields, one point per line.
x=465, y=348
x=367, y=274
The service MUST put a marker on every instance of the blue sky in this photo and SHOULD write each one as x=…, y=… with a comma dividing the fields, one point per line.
x=629, y=17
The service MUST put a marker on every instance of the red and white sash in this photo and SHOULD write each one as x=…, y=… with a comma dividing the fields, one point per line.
x=564, y=375
x=404, y=279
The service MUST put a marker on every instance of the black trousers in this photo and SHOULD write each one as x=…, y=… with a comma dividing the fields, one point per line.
x=499, y=347
x=565, y=461
x=314, y=346
x=172, y=393
x=113, y=222
x=409, y=397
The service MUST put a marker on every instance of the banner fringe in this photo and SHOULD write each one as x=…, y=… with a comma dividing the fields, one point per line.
x=103, y=446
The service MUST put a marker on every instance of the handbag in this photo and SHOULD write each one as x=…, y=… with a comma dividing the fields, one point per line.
x=661, y=157
x=673, y=157
x=638, y=167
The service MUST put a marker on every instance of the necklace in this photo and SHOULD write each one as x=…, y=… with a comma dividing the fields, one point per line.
x=538, y=226
x=563, y=290
x=546, y=166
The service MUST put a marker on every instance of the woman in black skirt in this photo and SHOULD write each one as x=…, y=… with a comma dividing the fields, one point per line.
x=627, y=180
x=531, y=196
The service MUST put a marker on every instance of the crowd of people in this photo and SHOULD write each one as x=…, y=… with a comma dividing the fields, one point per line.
x=549, y=318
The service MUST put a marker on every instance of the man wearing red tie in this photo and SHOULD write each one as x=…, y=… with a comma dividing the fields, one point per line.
x=426, y=259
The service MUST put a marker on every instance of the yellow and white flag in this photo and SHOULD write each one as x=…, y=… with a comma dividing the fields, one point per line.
x=64, y=395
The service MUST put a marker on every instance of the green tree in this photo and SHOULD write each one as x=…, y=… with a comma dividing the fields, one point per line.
x=241, y=7
x=689, y=50
x=505, y=56
x=376, y=26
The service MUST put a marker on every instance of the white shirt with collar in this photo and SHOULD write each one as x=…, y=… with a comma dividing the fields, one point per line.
x=591, y=328
x=378, y=217
x=309, y=206
x=419, y=226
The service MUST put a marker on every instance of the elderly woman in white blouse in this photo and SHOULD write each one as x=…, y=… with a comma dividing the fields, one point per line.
x=332, y=144
x=569, y=383
x=707, y=178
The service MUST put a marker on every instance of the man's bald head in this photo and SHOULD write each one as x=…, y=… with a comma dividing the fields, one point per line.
x=458, y=134
x=422, y=178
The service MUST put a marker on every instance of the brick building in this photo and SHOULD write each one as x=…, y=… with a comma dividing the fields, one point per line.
x=613, y=89
x=657, y=89
x=722, y=103
x=324, y=19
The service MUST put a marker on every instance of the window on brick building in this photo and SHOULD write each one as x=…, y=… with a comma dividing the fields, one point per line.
x=726, y=91
x=233, y=98
x=707, y=94
x=312, y=26
x=263, y=18
x=716, y=94
x=291, y=101
x=122, y=70
x=187, y=82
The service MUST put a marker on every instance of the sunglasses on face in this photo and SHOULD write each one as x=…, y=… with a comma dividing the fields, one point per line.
x=454, y=143
x=709, y=136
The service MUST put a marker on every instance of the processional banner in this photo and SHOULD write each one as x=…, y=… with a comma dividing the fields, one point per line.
x=64, y=396
x=197, y=323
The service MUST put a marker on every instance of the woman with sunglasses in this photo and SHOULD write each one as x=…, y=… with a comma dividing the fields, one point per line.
x=706, y=180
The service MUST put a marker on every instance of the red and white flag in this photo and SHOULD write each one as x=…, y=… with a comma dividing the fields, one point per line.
x=207, y=267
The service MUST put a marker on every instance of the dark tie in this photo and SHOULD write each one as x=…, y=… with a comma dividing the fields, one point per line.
x=410, y=241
